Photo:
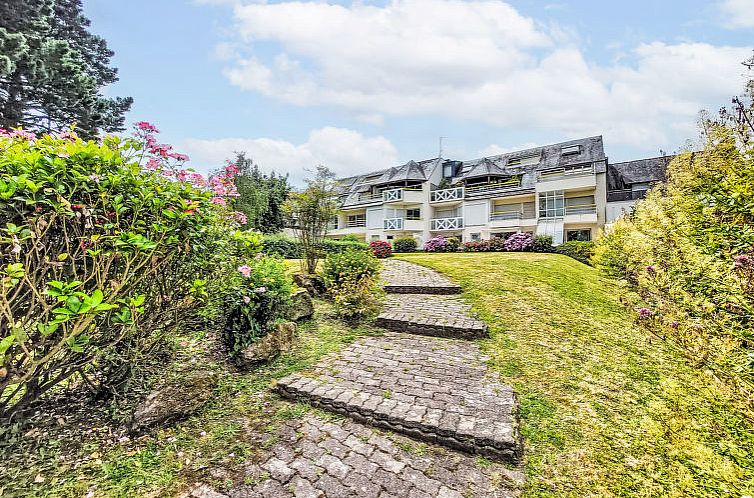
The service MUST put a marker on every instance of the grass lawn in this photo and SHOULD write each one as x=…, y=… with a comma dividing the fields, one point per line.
x=606, y=410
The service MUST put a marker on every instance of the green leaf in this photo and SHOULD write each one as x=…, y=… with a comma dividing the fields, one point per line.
x=6, y=343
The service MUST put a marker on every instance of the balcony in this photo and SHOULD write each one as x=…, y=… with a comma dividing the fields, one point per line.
x=349, y=227
x=512, y=219
x=402, y=196
x=492, y=187
x=566, y=178
x=581, y=214
x=392, y=224
x=446, y=224
x=447, y=195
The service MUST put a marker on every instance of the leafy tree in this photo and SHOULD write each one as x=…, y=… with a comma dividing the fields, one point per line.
x=52, y=70
x=310, y=213
x=261, y=196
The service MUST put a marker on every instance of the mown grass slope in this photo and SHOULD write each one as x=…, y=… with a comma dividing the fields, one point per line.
x=606, y=409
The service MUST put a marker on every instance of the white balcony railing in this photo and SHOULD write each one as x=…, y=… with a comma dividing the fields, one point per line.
x=446, y=224
x=514, y=215
x=448, y=194
x=393, y=224
x=392, y=195
x=557, y=174
x=356, y=223
x=485, y=188
x=585, y=209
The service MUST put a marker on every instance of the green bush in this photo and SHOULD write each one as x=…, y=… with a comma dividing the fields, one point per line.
x=349, y=238
x=578, y=250
x=105, y=249
x=351, y=279
x=252, y=299
x=281, y=245
x=405, y=244
x=542, y=243
x=687, y=250
x=329, y=246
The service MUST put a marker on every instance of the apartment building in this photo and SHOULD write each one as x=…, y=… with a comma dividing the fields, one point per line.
x=563, y=190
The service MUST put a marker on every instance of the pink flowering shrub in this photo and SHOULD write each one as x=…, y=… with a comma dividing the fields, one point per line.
x=440, y=243
x=106, y=247
x=381, y=249
x=521, y=241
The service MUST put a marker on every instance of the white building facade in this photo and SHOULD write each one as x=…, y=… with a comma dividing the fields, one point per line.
x=559, y=190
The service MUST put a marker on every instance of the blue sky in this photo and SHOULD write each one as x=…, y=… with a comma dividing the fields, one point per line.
x=366, y=85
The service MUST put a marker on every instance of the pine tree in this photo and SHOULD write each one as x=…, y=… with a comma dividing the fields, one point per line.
x=52, y=70
x=261, y=196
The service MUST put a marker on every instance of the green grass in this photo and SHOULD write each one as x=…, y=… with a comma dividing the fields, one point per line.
x=240, y=420
x=606, y=410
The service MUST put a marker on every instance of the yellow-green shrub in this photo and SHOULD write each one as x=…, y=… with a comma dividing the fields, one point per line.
x=686, y=250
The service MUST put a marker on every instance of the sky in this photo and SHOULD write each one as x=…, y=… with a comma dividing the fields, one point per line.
x=364, y=85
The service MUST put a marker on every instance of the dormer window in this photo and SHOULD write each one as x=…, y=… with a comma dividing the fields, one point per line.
x=447, y=170
x=524, y=161
x=570, y=150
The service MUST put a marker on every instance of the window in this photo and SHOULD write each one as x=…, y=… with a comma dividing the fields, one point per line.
x=476, y=236
x=501, y=235
x=524, y=161
x=447, y=170
x=551, y=204
x=357, y=220
x=580, y=205
x=581, y=235
x=570, y=150
x=375, y=238
x=389, y=237
x=413, y=214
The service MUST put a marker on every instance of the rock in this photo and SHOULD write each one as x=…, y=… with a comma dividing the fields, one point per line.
x=301, y=306
x=313, y=284
x=203, y=491
x=177, y=397
x=269, y=346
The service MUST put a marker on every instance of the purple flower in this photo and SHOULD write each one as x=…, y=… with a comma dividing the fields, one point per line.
x=743, y=260
x=674, y=324
x=651, y=270
x=246, y=299
x=645, y=313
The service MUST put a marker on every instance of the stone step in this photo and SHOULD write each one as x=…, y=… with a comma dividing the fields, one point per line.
x=433, y=315
x=438, y=390
x=401, y=277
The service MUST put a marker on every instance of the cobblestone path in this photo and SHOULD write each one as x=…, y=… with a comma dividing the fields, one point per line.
x=435, y=390
x=341, y=458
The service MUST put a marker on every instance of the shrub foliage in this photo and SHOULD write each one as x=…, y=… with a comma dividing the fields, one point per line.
x=578, y=250
x=405, y=244
x=381, y=249
x=687, y=249
x=351, y=279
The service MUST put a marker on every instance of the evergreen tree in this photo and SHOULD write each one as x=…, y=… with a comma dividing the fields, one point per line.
x=261, y=196
x=52, y=70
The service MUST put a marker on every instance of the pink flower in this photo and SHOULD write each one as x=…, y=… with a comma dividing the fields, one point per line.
x=147, y=127
x=240, y=217
x=246, y=299
x=245, y=270
x=178, y=156
x=182, y=175
x=219, y=201
x=197, y=179
x=645, y=313
x=260, y=290
x=22, y=134
x=153, y=163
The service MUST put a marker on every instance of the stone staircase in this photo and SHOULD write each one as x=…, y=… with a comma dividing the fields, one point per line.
x=436, y=389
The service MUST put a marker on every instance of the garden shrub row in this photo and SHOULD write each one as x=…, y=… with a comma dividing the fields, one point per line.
x=288, y=248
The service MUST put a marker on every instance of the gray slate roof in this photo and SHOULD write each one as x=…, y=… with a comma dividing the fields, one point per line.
x=622, y=175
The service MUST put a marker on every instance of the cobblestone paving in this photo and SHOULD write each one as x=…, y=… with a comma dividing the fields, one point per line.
x=341, y=458
x=402, y=277
x=436, y=315
x=437, y=390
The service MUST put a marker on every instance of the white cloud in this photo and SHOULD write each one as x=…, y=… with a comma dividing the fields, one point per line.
x=738, y=13
x=479, y=60
x=344, y=151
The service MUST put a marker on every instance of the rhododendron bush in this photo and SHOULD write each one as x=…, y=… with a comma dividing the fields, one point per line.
x=105, y=247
